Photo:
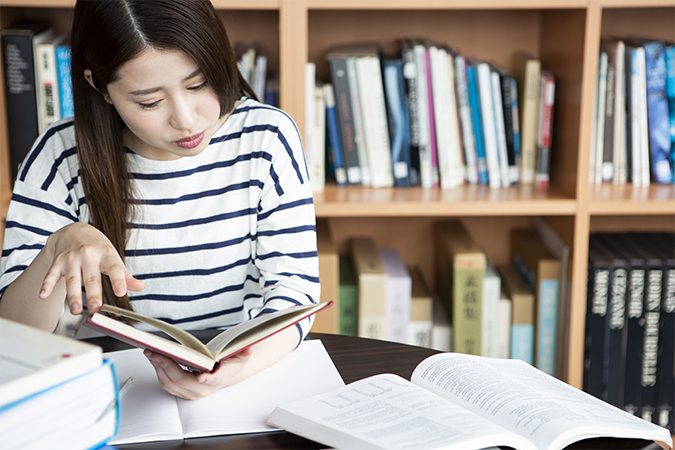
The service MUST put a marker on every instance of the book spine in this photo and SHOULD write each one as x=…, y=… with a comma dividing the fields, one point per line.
x=489, y=129
x=20, y=96
x=516, y=126
x=359, y=131
x=670, y=93
x=650, y=343
x=619, y=150
x=467, y=295
x=635, y=141
x=317, y=162
x=530, y=105
x=542, y=177
x=410, y=75
x=608, y=145
x=310, y=117
x=343, y=106
x=432, y=124
x=334, y=136
x=504, y=328
x=468, y=139
x=490, y=312
x=441, y=113
x=644, y=121
x=426, y=166
x=505, y=81
x=634, y=336
x=658, y=118
x=398, y=296
x=500, y=129
x=598, y=329
x=458, y=163
x=617, y=327
x=666, y=369
x=398, y=122
x=63, y=60
x=547, y=320
x=476, y=116
x=599, y=148
x=49, y=109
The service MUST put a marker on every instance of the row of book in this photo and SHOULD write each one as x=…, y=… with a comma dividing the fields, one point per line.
x=508, y=311
x=634, y=126
x=252, y=64
x=38, y=87
x=428, y=116
x=55, y=392
x=630, y=323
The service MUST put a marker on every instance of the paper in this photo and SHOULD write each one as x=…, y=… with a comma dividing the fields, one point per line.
x=148, y=413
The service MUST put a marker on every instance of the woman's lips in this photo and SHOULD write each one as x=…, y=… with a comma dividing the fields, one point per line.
x=190, y=141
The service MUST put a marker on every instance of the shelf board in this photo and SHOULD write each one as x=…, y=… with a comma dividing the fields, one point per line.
x=445, y=4
x=608, y=199
x=467, y=200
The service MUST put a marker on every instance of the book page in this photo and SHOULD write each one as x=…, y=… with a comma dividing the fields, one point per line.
x=147, y=412
x=545, y=410
x=388, y=412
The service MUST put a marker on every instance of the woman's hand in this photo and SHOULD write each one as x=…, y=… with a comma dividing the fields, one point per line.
x=80, y=253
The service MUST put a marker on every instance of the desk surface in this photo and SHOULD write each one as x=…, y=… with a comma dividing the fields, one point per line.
x=355, y=358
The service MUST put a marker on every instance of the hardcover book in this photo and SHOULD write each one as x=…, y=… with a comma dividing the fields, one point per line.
x=397, y=112
x=188, y=350
x=527, y=73
x=372, y=282
x=522, y=314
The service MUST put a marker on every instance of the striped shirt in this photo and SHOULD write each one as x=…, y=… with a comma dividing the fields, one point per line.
x=218, y=238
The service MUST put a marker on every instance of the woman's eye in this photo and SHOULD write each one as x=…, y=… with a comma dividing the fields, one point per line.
x=149, y=105
x=198, y=88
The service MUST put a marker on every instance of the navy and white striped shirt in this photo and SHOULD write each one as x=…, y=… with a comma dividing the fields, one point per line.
x=217, y=238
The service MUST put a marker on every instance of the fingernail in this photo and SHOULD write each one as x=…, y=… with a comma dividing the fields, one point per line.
x=201, y=380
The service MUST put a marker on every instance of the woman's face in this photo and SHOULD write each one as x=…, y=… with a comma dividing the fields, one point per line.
x=168, y=108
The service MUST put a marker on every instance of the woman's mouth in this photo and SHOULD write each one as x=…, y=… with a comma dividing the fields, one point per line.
x=190, y=141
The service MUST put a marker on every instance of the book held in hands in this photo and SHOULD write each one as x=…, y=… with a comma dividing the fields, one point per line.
x=190, y=351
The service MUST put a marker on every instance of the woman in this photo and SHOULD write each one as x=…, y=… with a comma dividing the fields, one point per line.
x=172, y=181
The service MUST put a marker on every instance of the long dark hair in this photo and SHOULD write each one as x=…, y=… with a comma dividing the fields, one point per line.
x=107, y=34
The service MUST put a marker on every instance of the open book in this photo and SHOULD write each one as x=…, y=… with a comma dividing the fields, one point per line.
x=456, y=401
x=189, y=351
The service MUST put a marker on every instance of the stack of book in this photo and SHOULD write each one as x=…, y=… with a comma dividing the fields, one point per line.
x=429, y=116
x=630, y=323
x=633, y=132
x=55, y=392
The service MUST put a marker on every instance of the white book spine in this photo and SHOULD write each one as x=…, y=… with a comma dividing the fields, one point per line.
x=468, y=140
x=317, y=171
x=500, y=129
x=260, y=79
x=644, y=128
x=359, y=132
x=426, y=166
x=600, y=120
x=310, y=104
x=375, y=120
x=458, y=167
x=441, y=104
x=619, y=151
x=398, y=295
x=491, y=293
x=504, y=328
x=49, y=108
x=489, y=132
x=636, y=170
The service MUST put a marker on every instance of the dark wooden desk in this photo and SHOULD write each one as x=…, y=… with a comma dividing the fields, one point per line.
x=355, y=358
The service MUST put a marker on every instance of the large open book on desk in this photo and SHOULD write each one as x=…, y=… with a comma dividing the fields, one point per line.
x=190, y=351
x=148, y=413
x=457, y=401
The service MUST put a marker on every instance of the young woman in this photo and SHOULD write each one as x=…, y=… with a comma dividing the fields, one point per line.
x=173, y=191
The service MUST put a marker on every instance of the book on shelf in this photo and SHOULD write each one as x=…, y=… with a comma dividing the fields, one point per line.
x=189, y=351
x=334, y=152
x=500, y=126
x=359, y=130
x=484, y=85
x=516, y=126
x=598, y=144
x=421, y=310
x=527, y=72
x=337, y=61
x=470, y=402
x=410, y=75
x=428, y=177
x=398, y=295
x=460, y=265
x=544, y=140
x=329, y=272
x=441, y=330
x=315, y=130
x=465, y=120
x=349, y=297
x=432, y=120
x=397, y=113
x=670, y=93
x=633, y=138
x=40, y=370
x=63, y=64
x=148, y=413
x=510, y=117
x=522, y=314
x=615, y=132
x=541, y=271
x=19, y=40
x=505, y=312
x=492, y=289
x=49, y=109
x=372, y=283
x=477, y=121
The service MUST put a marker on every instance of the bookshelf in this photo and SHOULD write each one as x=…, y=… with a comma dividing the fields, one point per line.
x=564, y=34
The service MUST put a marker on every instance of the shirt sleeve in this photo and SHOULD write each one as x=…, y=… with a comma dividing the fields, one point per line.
x=286, y=249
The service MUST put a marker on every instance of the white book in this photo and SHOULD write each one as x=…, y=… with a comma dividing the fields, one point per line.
x=148, y=413
x=458, y=165
x=317, y=165
x=374, y=117
x=399, y=294
x=600, y=119
x=464, y=111
x=426, y=165
x=455, y=401
x=49, y=105
x=421, y=311
x=489, y=128
x=492, y=287
x=635, y=132
x=260, y=77
x=500, y=129
x=32, y=360
x=644, y=128
x=619, y=152
x=441, y=332
x=504, y=327
x=359, y=131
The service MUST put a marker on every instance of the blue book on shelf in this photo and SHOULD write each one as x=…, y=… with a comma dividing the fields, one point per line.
x=334, y=137
x=397, y=110
x=63, y=58
x=516, y=121
x=474, y=102
x=657, y=107
x=522, y=342
x=670, y=92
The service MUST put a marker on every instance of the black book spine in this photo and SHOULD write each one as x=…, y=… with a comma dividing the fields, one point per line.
x=20, y=94
x=409, y=74
x=650, y=343
x=608, y=149
x=617, y=336
x=634, y=336
x=343, y=105
x=666, y=369
x=507, y=105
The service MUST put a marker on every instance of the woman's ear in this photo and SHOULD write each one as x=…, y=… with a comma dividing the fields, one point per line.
x=90, y=79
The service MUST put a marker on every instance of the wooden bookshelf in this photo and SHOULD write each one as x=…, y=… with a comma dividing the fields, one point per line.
x=564, y=34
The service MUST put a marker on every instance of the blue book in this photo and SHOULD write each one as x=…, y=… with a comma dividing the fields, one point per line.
x=397, y=110
x=516, y=122
x=63, y=59
x=670, y=93
x=334, y=137
x=474, y=102
x=658, y=118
